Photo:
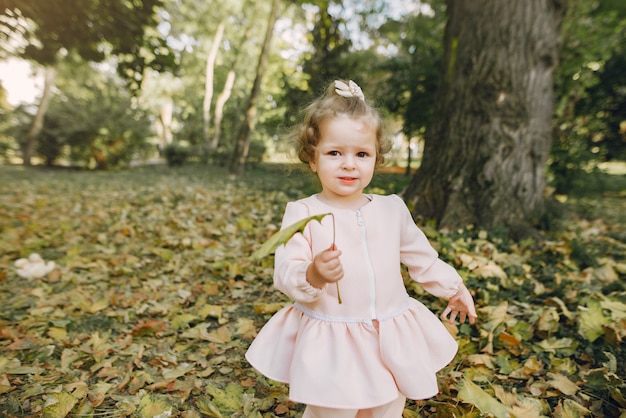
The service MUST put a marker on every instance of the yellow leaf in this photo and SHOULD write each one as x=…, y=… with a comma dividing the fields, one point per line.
x=246, y=328
x=221, y=336
x=58, y=405
x=197, y=332
x=562, y=383
x=268, y=308
x=68, y=356
x=481, y=359
x=615, y=307
x=57, y=333
x=182, y=321
x=98, y=392
x=531, y=366
x=23, y=370
x=490, y=269
x=570, y=409
x=507, y=398
x=552, y=344
x=495, y=316
x=473, y=394
x=207, y=408
x=245, y=224
x=98, y=305
x=529, y=408
x=181, y=370
x=213, y=311
x=151, y=406
x=548, y=320
x=77, y=389
x=229, y=399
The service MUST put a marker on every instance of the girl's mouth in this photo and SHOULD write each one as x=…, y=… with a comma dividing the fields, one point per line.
x=347, y=180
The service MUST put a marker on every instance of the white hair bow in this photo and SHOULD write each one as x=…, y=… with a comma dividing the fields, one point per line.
x=351, y=89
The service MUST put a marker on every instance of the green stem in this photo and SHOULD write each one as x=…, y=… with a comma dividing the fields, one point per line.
x=334, y=247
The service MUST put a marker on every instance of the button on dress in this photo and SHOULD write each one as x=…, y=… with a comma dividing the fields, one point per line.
x=379, y=342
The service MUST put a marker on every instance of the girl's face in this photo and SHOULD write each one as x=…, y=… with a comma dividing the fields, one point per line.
x=345, y=160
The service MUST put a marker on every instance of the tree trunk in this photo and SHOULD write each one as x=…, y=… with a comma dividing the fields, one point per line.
x=485, y=153
x=30, y=145
x=164, y=124
x=220, y=102
x=208, y=82
x=223, y=97
x=242, y=145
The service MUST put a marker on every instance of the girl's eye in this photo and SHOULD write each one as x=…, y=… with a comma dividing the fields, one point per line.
x=333, y=153
x=362, y=154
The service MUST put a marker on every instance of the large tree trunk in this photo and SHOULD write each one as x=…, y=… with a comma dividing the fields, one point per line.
x=208, y=82
x=485, y=154
x=28, y=149
x=242, y=144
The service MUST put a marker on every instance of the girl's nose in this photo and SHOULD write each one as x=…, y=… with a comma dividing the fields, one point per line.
x=348, y=162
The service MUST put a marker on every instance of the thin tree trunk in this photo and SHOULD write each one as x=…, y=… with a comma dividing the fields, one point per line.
x=242, y=145
x=220, y=102
x=485, y=154
x=408, y=159
x=30, y=145
x=164, y=124
x=208, y=82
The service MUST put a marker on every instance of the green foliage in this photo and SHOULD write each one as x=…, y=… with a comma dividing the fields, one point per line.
x=589, y=86
x=128, y=29
x=100, y=129
x=14, y=126
x=256, y=152
x=176, y=154
x=326, y=61
x=93, y=122
x=412, y=74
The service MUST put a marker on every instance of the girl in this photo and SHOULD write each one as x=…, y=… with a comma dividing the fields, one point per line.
x=362, y=354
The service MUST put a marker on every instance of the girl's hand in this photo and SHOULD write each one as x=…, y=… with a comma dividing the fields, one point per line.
x=461, y=303
x=325, y=268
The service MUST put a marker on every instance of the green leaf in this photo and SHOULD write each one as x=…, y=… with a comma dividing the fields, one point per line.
x=208, y=408
x=227, y=400
x=591, y=321
x=283, y=236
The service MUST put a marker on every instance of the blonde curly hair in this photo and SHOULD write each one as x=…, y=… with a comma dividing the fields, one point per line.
x=331, y=105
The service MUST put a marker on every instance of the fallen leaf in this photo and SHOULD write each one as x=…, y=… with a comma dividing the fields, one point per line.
x=152, y=406
x=471, y=393
x=562, y=383
x=58, y=405
x=567, y=408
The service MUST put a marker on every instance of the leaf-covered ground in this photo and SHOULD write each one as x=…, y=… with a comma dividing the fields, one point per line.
x=153, y=300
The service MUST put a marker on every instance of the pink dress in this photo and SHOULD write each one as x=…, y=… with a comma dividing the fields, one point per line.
x=379, y=342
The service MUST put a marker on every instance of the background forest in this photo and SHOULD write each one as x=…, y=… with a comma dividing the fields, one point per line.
x=183, y=76
x=152, y=298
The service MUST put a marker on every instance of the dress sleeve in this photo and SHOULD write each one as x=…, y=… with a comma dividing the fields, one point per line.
x=292, y=260
x=422, y=260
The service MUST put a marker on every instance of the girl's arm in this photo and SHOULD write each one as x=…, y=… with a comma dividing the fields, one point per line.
x=436, y=276
x=292, y=260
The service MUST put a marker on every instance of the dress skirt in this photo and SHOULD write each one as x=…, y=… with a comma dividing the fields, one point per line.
x=353, y=364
